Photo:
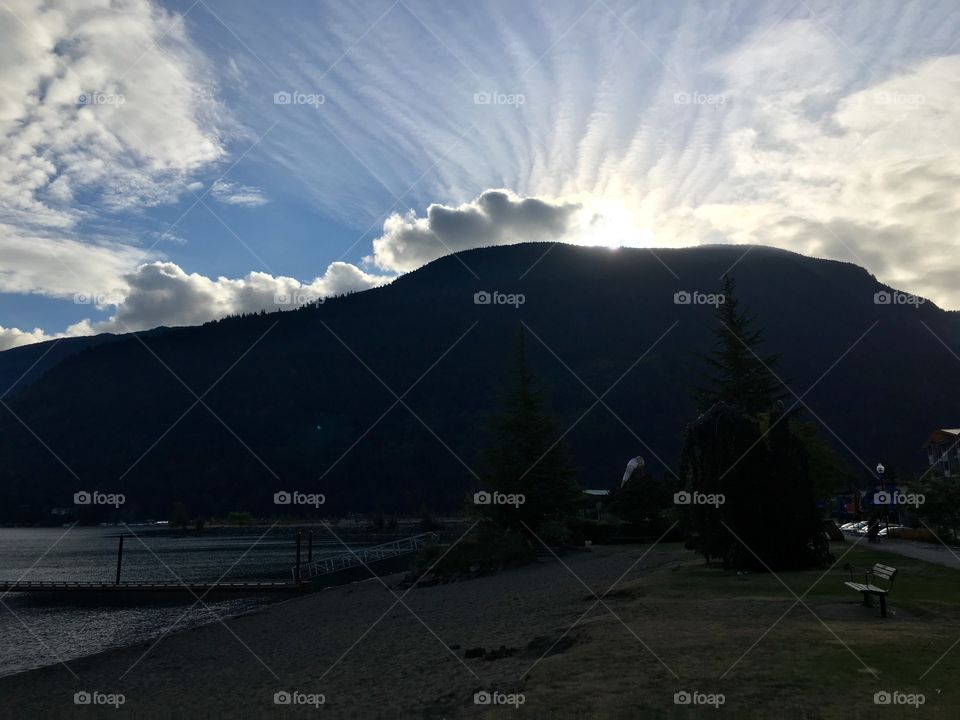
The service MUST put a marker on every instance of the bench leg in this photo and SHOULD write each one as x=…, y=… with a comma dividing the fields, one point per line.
x=866, y=600
x=883, y=606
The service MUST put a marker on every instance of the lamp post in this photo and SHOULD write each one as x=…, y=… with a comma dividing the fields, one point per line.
x=886, y=507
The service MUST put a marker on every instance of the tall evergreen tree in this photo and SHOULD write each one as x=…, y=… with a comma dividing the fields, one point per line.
x=740, y=375
x=526, y=456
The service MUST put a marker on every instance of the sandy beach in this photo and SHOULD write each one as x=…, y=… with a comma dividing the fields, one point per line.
x=365, y=652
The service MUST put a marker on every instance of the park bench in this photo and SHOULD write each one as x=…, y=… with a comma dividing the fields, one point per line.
x=869, y=589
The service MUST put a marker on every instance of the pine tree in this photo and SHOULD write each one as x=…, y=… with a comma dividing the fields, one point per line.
x=526, y=455
x=740, y=374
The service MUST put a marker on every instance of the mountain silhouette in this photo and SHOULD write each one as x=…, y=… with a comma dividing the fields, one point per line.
x=381, y=399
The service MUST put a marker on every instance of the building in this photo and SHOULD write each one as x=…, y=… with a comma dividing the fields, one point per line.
x=943, y=451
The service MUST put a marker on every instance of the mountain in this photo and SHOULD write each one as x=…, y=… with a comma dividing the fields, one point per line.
x=380, y=399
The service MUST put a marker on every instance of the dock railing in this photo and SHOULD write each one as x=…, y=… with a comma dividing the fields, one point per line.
x=364, y=556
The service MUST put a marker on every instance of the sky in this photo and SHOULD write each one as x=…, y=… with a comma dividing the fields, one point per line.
x=168, y=163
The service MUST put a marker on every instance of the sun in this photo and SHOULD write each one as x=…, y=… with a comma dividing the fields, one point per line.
x=608, y=222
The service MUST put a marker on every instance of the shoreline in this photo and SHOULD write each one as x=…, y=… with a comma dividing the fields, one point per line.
x=355, y=644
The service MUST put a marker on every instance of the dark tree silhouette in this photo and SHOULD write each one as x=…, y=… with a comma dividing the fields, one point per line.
x=746, y=474
x=527, y=455
x=739, y=373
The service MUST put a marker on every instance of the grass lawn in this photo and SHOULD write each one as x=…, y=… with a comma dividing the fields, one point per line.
x=747, y=637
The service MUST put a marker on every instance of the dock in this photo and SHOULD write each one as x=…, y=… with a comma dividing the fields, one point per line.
x=195, y=588
x=307, y=577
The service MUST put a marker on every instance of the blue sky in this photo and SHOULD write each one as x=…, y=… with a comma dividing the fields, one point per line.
x=153, y=172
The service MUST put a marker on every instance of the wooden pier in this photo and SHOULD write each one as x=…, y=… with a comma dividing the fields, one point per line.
x=303, y=574
x=195, y=588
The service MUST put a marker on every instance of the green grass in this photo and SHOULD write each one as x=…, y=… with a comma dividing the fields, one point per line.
x=701, y=619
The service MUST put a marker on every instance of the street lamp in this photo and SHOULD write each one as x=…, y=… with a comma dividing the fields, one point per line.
x=886, y=507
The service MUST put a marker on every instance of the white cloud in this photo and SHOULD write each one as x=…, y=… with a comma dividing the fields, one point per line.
x=232, y=193
x=497, y=217
x=161, y=293
x=13, y=337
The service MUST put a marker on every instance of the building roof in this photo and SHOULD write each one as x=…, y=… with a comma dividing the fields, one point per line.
x=943, y=435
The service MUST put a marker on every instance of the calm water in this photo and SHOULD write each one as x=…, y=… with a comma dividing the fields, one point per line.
x=37, y=632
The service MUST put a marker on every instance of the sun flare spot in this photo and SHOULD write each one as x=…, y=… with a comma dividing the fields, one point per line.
x=608, y=222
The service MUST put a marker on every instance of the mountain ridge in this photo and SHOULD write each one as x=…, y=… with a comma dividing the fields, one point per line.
x=307, y=399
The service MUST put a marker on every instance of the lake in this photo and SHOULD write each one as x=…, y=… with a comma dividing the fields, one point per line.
x=37, y=631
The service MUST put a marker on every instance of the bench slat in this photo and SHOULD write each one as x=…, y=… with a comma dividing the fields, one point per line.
x=872, y=589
